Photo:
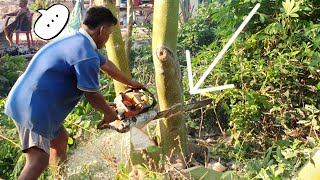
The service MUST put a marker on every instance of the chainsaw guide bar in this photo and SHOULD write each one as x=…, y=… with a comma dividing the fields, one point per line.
x=142, y=119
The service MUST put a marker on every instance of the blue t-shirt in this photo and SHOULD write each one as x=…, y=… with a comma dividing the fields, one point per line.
x=53, y=84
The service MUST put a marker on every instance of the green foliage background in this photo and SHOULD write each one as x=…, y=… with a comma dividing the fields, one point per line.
x=274, y=64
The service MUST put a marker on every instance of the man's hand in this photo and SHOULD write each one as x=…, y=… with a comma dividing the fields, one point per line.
x=118, y=125
x=98, y=102
x=108, y=119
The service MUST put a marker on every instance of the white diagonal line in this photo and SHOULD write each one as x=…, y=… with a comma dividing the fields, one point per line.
x=225, y=48
x=190, y=77
x=189, y=67
x=217, y=88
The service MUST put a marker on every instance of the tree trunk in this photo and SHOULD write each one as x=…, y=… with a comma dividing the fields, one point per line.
x=172, y=131
x=185, y=11
x=115, y=45
x=129, y=28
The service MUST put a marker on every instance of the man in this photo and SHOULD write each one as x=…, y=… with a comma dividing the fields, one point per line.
x=55, y=80
x=21, y=22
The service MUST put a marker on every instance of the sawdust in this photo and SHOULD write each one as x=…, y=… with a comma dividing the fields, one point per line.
x=100, y=157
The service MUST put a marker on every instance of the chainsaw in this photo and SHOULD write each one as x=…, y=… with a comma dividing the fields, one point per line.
x=135, y=108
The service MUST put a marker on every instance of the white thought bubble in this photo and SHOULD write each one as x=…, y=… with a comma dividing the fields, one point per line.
x=51, y=21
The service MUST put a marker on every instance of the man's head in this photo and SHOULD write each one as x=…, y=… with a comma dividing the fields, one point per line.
x=99, y=22
x=23, y=3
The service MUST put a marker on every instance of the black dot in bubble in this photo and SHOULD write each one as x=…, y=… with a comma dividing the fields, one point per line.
x=48, y=25
x=56, y=15
x=52, y=20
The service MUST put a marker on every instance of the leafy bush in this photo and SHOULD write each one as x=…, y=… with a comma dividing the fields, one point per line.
x=11, y=157
x=199, y=31
x=141, y=62
x=10, y=69
x=274, y=64
x=39, y=4
x=10, y=153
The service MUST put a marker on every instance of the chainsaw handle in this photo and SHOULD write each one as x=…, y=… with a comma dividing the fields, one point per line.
x=135, y=89
x=154, y=102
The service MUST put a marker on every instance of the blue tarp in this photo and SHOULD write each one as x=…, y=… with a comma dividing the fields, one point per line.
x=76, y=16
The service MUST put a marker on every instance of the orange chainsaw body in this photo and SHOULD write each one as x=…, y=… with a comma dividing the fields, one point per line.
x=132, y=103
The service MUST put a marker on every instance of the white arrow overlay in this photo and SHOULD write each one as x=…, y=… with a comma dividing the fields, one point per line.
x=195, y=89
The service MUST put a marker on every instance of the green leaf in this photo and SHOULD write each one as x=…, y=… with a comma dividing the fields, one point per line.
x=123, y=169
x=70, y=140
x=3, y=79
x=294, y=53
x=303, y=122
x=85, y=124
x=279, y=171
x=318, y=86
x=261, y=18
x=315, y=59
x=312, y=88
x=274, y=28
x=288, y=154
x=153, y=149
x=294, y=15
x=290, y=9
x=295, y=9
x=225, y=106
x=311, y=141
x=287, y=93
x=267, y=157
x=311, y=108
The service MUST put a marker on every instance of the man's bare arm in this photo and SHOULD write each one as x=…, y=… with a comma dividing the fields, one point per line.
x=10, y=14
x=98, y=102
x=112, y=70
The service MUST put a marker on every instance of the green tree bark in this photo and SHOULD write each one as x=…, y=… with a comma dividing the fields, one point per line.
x=115, y=45
x=172, y=131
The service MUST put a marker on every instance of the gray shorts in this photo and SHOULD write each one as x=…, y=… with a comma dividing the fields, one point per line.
x=30, y=139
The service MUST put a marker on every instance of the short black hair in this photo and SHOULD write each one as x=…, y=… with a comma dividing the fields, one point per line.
x=98, y=15
x=24, y=1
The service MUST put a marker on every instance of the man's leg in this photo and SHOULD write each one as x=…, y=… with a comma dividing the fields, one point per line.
x=36, y=149
x=58, y=148
x=9, y=37
x=8, y=30
x=36, y=162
